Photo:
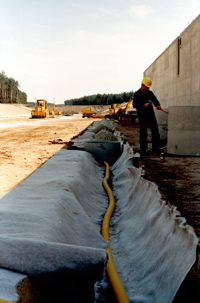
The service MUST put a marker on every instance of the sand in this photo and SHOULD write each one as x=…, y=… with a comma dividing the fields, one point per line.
x=28, y=143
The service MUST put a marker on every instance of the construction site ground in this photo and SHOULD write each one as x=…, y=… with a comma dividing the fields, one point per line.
x=30, y=143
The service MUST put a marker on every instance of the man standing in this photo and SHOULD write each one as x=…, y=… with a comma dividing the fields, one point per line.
x=143, y=101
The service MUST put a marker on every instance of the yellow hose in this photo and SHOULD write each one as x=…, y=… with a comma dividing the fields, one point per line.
x=5, y=301
x=114, y=278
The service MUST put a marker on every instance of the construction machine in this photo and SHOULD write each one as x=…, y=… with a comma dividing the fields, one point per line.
x=114, y=108
x=122, y=111
x=56, y=110
x=51, y=113
x=41, y=110
x=119, y=112
x=127, y=118
x=87, y=112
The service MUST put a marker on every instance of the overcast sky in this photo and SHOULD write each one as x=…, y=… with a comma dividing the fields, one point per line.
x=67, y=49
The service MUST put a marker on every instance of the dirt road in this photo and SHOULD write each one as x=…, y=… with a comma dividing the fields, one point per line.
x=27, y=143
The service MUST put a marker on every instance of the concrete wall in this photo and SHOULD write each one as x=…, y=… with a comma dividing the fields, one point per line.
x=176, y=72
x=184, y=130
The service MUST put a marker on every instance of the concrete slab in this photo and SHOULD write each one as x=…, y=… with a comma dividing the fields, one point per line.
x=108, y=151
x=184, y=130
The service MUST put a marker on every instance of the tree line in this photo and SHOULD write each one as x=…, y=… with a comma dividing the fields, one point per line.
x=10, y=92
x=101, y=99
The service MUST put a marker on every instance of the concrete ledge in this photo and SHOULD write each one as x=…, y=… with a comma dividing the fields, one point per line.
x=184, y=118
x=108, y=151
x=184, y=143
x=184, y=130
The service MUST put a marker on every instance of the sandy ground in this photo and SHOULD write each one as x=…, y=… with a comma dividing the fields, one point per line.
x=27, y=143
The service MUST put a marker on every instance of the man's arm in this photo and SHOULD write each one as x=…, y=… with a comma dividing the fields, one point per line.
x=155, y=101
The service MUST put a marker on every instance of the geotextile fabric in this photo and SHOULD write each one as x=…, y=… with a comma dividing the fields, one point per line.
x=9, y=281
x=50, y=223
x=152, y=245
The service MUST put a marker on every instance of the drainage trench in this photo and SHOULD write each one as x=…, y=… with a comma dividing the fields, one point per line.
x=149, y=239
x=54, y=232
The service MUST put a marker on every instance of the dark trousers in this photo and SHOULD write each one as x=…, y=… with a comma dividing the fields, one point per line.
x=145, y=122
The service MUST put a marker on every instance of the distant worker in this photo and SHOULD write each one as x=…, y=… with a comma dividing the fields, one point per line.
x=143, y=101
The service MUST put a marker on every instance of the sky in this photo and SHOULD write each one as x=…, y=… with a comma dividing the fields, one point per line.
x=65, y=49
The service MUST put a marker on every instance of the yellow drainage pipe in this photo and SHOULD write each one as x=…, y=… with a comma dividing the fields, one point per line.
x=5, y=301
x=113, y=275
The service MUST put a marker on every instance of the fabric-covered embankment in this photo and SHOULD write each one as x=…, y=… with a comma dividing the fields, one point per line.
x=153, y=247
x=50, y=224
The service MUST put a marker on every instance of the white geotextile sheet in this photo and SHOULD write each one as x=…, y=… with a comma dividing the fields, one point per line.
x=153, y=247
x=9, y=281
x=50, y=223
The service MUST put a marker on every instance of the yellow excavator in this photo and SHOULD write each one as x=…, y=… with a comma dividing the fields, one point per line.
x=118, y=111
x=127, y=118
x=122, y=111
x=114, y=108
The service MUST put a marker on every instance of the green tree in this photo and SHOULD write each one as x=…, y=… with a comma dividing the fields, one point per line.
x=9, y=90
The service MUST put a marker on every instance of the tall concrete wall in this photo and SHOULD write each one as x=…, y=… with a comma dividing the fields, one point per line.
x=176, y=72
